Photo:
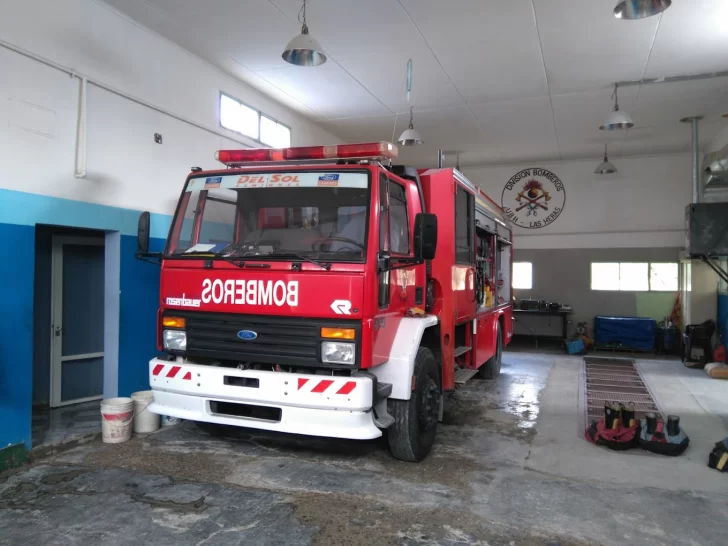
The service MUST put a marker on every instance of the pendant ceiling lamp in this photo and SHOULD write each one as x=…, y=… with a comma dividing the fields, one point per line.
x=617, y=119
x=304, y=50
x=606, y=166
x=411, y=136
x=639, y=9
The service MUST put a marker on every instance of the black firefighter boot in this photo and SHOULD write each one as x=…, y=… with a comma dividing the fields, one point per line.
x=628, y=414
x=611, y=415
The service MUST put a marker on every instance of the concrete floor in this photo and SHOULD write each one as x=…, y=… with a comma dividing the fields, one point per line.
x=510, y=467
x=52, y=427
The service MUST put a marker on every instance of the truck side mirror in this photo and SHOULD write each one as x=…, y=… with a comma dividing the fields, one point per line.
x=425, y=236
x=143, y=233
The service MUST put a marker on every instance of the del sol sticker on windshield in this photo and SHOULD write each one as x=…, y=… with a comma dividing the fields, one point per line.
x=281, y=180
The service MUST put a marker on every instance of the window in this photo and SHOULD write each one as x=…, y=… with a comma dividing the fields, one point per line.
x=238, y=117
x=463, y=233
x=220, y=212
x=522, y=275
x=273, y=133
x=398, y=223
x=321, y=222
x=384, y=289
x=634, y=276
x=664, y=277
x=243, y=119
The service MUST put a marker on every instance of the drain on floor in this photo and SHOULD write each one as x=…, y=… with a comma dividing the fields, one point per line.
x=614, y=380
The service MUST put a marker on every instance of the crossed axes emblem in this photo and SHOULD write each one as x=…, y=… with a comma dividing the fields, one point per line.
x=532, y=203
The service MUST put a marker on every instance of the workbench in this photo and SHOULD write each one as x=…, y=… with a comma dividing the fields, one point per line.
x=562, y=313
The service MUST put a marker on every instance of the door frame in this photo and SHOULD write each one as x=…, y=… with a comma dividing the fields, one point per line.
x=57, y=358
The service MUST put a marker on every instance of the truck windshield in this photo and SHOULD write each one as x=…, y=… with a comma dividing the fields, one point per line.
x=309, y=214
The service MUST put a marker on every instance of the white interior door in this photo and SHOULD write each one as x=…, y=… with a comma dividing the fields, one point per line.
x=77, y=327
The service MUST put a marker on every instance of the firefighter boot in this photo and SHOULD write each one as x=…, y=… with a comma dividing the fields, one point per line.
x=673, y=425
x=611, y=415
x=627, y=414
x=651, y=421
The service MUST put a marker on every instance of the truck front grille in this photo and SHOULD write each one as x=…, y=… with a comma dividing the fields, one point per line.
x=280, y=340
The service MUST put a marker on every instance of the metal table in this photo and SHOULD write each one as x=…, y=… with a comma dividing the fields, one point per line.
x=563, y=313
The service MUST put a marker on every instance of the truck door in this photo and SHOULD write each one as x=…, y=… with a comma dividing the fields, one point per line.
x=464, y=268
x=397, y=284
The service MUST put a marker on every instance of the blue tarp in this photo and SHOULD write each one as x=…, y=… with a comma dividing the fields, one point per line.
x=630, y=332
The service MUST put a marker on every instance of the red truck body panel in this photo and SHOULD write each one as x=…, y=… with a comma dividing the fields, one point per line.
x=279, y=290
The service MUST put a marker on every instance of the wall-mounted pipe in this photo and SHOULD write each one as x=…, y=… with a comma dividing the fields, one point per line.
x=696, y=165
x=132, y=98
x=694, y=150
x=80, y=160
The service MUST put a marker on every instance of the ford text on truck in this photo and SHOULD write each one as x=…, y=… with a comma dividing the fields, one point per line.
x=323, y=291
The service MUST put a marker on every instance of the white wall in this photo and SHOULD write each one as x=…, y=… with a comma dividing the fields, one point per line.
x=642, y=206
x=125, y=167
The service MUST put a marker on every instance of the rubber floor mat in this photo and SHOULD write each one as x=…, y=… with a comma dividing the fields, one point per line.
x=613, y=380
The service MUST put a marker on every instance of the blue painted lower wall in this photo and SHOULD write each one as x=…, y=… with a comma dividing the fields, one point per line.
x=139, y=298
x=139, y=302
x=17, y=248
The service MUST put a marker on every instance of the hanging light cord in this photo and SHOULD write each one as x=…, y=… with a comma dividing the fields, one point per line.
x=302, y=17
x=616, y=98
x=396, y=114
x=411, y=125
x=605, y=153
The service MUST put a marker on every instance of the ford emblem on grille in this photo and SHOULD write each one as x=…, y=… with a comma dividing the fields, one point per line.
x=247, y=335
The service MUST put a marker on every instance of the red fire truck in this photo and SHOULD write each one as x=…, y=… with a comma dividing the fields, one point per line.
x=324, y=291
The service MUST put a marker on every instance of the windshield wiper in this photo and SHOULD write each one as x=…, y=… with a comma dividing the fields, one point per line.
x=213, y=255
x=284, y=254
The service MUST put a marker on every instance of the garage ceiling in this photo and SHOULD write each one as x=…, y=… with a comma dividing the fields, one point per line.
x=499, y=81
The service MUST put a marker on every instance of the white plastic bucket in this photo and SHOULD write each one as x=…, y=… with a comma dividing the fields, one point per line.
x=144, y=420
x=116, y=418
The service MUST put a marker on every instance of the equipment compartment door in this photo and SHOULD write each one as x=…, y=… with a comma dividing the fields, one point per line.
x=464, y=268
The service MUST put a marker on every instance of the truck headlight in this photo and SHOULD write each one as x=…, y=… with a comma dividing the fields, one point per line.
x=174, y=340
x=337, y=353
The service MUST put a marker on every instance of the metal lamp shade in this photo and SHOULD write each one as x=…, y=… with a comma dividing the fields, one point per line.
x=304, y=50
x=605, y=167
x=638, y=9
x=617, y=120
x=411, y=137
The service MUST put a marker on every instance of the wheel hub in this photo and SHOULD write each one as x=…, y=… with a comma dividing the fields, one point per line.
x=429, y=405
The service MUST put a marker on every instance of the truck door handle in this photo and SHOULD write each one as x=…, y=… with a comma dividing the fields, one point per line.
x=58, y=331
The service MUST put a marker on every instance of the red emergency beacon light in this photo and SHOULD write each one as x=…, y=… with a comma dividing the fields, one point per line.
x=236, y=158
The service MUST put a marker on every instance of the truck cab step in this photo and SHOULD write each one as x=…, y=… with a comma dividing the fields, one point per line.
x=383, y=390
x=463, y=375
x=460, y=351
x=382, y=417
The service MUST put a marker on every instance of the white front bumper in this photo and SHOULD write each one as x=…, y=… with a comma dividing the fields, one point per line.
x=317, y=405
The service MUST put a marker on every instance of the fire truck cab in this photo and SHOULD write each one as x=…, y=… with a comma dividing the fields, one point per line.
x=323, y=291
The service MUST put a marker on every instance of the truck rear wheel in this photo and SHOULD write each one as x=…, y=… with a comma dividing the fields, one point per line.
x=415, y=420
x=491, y=369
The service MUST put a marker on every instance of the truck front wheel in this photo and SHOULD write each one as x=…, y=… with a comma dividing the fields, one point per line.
x=415, y=420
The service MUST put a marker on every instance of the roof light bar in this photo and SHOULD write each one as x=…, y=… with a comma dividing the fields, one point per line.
x=369, y=150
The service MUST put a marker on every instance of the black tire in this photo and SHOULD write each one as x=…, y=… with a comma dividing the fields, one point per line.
x=213, y=429
x=491, y=369
x=415, y=420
